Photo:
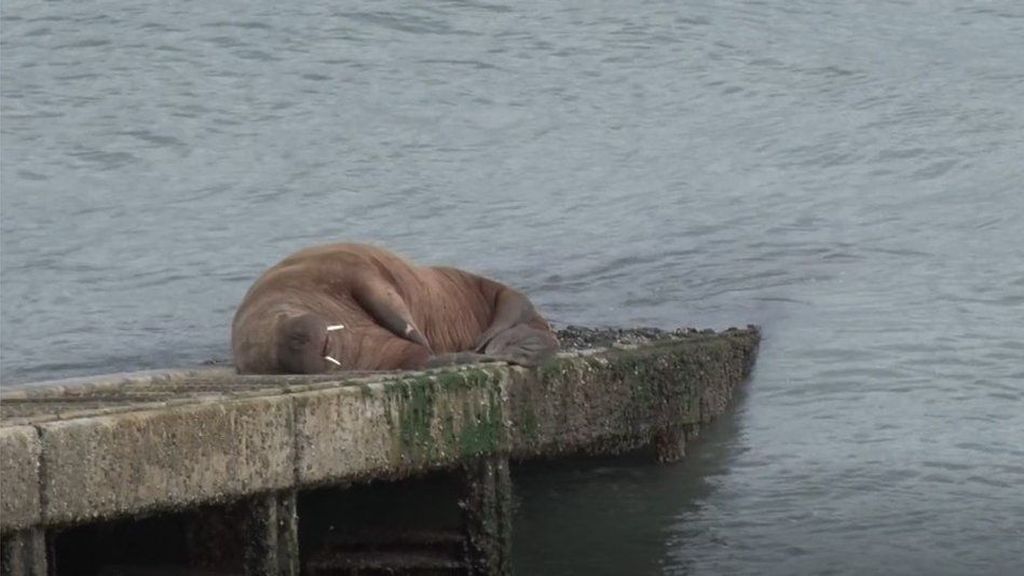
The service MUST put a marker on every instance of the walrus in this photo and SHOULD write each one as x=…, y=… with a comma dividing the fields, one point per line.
x=358, y=307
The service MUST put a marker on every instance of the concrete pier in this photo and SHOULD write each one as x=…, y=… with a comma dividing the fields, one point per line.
x=210, y=442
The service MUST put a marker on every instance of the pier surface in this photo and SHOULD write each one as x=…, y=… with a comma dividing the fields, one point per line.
x=103, y=449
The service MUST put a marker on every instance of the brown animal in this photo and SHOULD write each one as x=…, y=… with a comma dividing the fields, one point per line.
x=358, y=307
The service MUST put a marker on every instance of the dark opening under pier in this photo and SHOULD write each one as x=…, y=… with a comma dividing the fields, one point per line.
x=211, y=472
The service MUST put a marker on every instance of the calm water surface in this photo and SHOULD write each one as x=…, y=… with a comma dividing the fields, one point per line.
x=846, y=174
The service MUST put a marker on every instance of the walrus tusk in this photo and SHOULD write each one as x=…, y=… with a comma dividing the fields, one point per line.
x=328, y=358
x=334, y=327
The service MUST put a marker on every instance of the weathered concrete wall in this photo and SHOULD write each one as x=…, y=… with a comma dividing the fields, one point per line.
x=622, y=399
x=132, y=446
x=396, y=427
x=113, y=465
x=19, y=487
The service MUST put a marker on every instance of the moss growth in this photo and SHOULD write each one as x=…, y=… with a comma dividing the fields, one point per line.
x=448, y=437
x=482, y=432
x=465, y=380
x=429, y=426
x=452, y=381
x=553, y=369
x=415, y=398
x=530, y=424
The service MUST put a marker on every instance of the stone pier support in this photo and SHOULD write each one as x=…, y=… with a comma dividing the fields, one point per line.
x=670, y=444
x=271, y=535
x=486, y=507
x=24, y=553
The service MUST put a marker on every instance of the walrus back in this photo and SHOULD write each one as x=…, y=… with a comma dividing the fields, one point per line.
x=454, y=308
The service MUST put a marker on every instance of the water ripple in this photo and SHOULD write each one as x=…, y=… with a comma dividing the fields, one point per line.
x=844, y=174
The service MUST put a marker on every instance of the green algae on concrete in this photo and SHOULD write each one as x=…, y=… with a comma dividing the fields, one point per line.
x=448, y=416
x=398, y=426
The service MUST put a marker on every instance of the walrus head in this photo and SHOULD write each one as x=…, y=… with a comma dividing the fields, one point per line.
x=304, y=345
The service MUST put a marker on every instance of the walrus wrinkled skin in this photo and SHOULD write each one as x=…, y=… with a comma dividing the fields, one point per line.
x=358, y=307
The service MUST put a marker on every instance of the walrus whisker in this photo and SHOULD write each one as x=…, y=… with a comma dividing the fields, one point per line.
x=328, y=358
x=334, y=327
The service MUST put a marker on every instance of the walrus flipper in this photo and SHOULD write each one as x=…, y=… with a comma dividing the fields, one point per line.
x=511, y=308
x=523, y=345
x=457, y=358
x=384, y=304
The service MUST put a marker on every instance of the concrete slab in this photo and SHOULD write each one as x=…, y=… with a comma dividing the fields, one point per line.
x=399, y=425
x=129, y=445
x=625, y=398
x=19, y=491
x=130, y=463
